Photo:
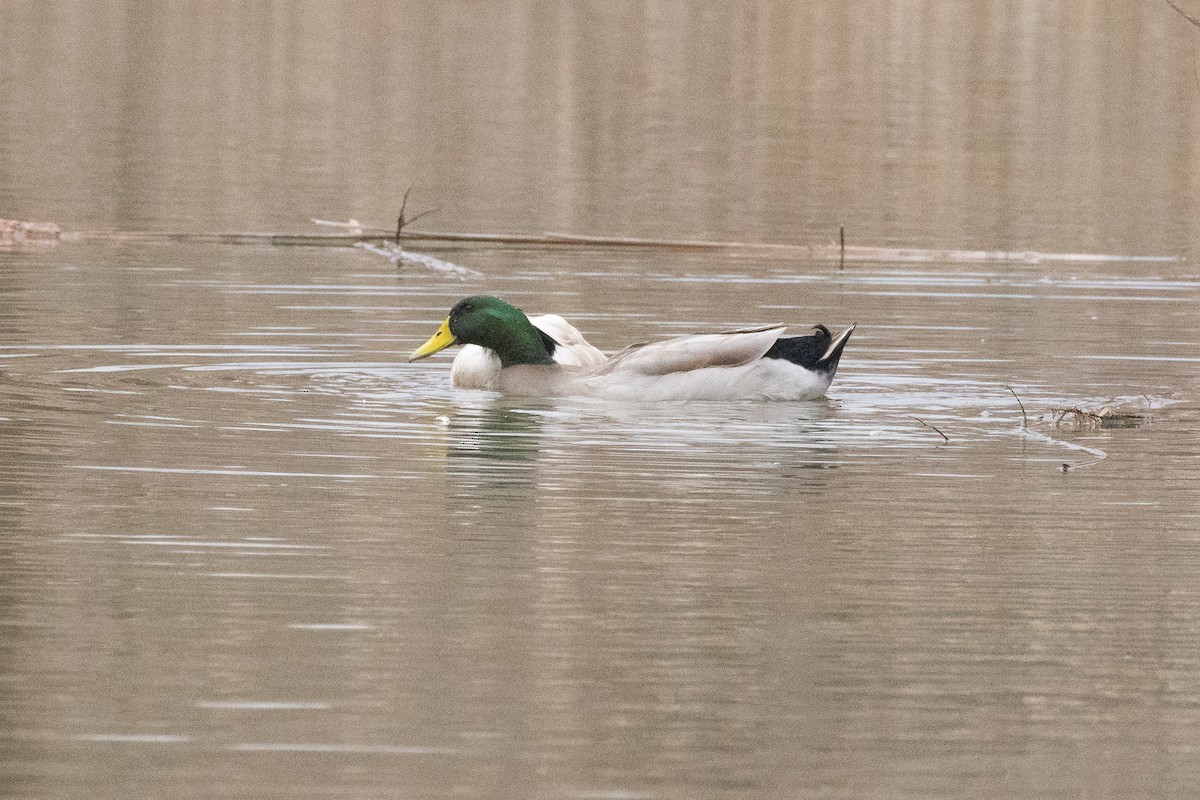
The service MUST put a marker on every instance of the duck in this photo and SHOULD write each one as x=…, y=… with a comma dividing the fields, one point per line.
x=749, y=364
x=477, y=367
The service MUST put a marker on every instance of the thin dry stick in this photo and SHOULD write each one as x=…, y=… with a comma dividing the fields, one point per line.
x=1183, y=13
x=931, y=427
x=424, y=213
x=842, y=250
x=402, y=221
x=1024, y=416
x=1196, y=22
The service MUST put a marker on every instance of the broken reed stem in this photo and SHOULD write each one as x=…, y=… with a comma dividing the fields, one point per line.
x=931, y=427
x=842, y=247
x=1024, y=416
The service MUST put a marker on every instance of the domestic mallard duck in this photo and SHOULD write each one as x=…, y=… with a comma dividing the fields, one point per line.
x=476, y=367
x=753, y=364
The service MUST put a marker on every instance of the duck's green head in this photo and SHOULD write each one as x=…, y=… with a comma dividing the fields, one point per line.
x=492, y=323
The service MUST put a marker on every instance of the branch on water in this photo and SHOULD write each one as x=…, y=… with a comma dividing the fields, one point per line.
x=402, y=221
x=1024, y=416
x=356, y=232
x=931, y=427
x=1027, y=432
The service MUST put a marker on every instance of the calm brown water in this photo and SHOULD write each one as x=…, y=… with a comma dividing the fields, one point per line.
x=247, y=551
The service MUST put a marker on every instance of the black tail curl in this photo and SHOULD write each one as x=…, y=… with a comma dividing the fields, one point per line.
x=811, y=352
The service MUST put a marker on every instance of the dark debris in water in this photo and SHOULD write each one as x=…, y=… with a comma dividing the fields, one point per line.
x=1084, y=419
x=1119, y=412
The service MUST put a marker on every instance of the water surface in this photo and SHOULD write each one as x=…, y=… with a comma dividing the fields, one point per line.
x=247, y=551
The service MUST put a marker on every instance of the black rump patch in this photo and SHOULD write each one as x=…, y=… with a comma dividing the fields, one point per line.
x=806, y=351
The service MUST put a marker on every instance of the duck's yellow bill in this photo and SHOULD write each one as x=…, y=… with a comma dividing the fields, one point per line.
x=438, y=342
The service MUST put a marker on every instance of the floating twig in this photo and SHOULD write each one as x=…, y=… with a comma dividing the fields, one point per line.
x=400, y=219
x=931, y=427
x=828, y=252
x=403, y=221
x=1196, y=22
x=1024, y=416
x=1032, y=434
x=1183, y=13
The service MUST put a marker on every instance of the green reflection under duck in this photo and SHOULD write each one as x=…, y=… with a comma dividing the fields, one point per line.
x=551, y=359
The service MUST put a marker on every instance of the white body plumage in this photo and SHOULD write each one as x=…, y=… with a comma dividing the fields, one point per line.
x=722, y=366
